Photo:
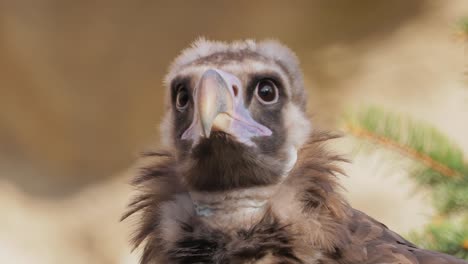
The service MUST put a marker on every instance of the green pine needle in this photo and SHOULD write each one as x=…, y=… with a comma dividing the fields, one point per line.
x=451, y=197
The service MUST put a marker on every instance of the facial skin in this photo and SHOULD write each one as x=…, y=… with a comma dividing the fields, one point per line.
x=228, y=121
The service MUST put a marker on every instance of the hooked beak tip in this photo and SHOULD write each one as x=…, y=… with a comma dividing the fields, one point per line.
x=206, y=130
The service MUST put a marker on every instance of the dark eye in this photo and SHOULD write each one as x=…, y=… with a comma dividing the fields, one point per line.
x=266, y=92
x=182, y=98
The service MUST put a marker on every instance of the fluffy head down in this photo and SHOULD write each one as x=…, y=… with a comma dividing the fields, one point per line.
x=222, y=162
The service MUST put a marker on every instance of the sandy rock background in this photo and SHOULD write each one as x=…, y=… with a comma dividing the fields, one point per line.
x=81, y=94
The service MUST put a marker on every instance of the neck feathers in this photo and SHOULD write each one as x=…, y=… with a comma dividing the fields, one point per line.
x=306, y=206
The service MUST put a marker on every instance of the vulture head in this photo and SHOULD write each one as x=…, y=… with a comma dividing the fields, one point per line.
x=235, y=114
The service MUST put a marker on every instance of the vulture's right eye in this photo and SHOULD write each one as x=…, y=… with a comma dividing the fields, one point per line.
x=266, y=92
x=182, y=98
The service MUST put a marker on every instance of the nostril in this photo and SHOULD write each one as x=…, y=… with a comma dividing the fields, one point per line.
x=235, y=90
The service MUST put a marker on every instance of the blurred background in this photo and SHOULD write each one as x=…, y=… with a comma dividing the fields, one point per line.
x=81, y=95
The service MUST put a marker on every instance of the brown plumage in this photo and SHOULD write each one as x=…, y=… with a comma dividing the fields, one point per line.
x=219, y=194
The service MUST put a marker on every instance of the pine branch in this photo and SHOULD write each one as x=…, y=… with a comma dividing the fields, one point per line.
x=462, y=31
x=416, y=140
x=439, y=162
x=404, y=149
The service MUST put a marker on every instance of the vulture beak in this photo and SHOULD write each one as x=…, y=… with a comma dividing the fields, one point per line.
x=219, y=106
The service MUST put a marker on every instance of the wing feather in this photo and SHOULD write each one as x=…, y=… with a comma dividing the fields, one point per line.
x=372, y=242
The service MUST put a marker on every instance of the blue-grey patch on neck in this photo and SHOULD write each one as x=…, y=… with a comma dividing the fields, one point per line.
x=203, y=210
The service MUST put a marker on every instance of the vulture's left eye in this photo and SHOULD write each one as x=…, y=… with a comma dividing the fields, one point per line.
x=266, y=92
x=182, y=98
